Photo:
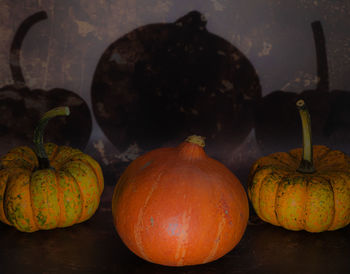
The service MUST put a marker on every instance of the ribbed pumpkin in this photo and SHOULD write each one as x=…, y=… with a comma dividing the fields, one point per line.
x=177, y=206
x=304, y=189
x=50, y=186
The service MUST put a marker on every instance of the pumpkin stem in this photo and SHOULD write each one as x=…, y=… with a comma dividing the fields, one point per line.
x=306, y=164
x=39, y=131
x=195, y=139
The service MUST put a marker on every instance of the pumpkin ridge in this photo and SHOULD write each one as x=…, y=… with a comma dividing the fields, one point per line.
x=14, y=212
x=280, y=160
x=341, y=174
x=323, y=156
x=292, y=156
x=6, y=219
x=88, y=189
x=216, y=243
x=77, y=219
x=61, y=158
x=137, y=229
x=276, y=203
x=87, y=163
x=279, y=183
x=45, y=203
x=5, y=195
x=257, y=204
x=22, y=155
x=260, y=190
x=70, y=199
x=31, y=206
x=307, y=182
x=16, y=160
x=333, y=216
x=183, y=239
x=348, y=187
x=59, y=200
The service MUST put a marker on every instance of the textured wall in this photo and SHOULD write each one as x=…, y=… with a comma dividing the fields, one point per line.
x=64, y=50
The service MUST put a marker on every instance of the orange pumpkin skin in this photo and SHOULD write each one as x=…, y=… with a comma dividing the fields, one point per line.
x=314, y=202
x=34, y=199
x=177, y=206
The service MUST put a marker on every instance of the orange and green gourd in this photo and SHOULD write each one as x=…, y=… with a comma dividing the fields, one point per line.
x=50, y=186
x=304, y=189
x=177, y=206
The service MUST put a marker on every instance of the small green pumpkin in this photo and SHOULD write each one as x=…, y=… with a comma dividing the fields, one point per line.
x=304, y=189
x=50, y=186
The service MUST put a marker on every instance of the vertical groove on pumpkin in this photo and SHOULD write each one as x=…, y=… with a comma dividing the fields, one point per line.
x=256, y=192
x=304, y=205
x=323, y=155
x=348, y=192
x=216, y=241
x=138, y=226
x=183, y=238
x=20, y=155
x=307, y=180
x=347, y=183
x=259, y=193
x=316, y=213
x=86, y=162
x=59, y=200
x=276, y=201
x=265, y=193
x=2, y=208
x=80, y=216
x=89, y=188
x=32, y=204
x=334, y=207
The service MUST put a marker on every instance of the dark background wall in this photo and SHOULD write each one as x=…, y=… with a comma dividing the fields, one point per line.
x=64, y=50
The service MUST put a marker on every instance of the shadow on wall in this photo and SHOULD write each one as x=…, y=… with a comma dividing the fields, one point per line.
x=277, y=123
x=160, y=83
x=21, y=107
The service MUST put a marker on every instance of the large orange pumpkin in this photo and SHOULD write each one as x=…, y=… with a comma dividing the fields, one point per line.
x=177, y=206
x=304, y=189
x=50, y=186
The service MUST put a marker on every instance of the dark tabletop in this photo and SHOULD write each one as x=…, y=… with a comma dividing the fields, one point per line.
x=94, y=247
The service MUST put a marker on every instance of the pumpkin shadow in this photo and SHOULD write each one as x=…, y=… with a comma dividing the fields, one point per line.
x=162, y=82
x=277, y=122
x=21, y=107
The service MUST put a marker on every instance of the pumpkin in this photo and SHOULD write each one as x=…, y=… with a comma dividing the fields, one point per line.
x=304, y=189
x=50, y=186
x=177, y=206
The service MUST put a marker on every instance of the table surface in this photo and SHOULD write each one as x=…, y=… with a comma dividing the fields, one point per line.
x=94, y=247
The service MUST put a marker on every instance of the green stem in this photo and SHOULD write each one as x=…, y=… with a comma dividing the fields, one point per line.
x=306, y=164
x=39, y=132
